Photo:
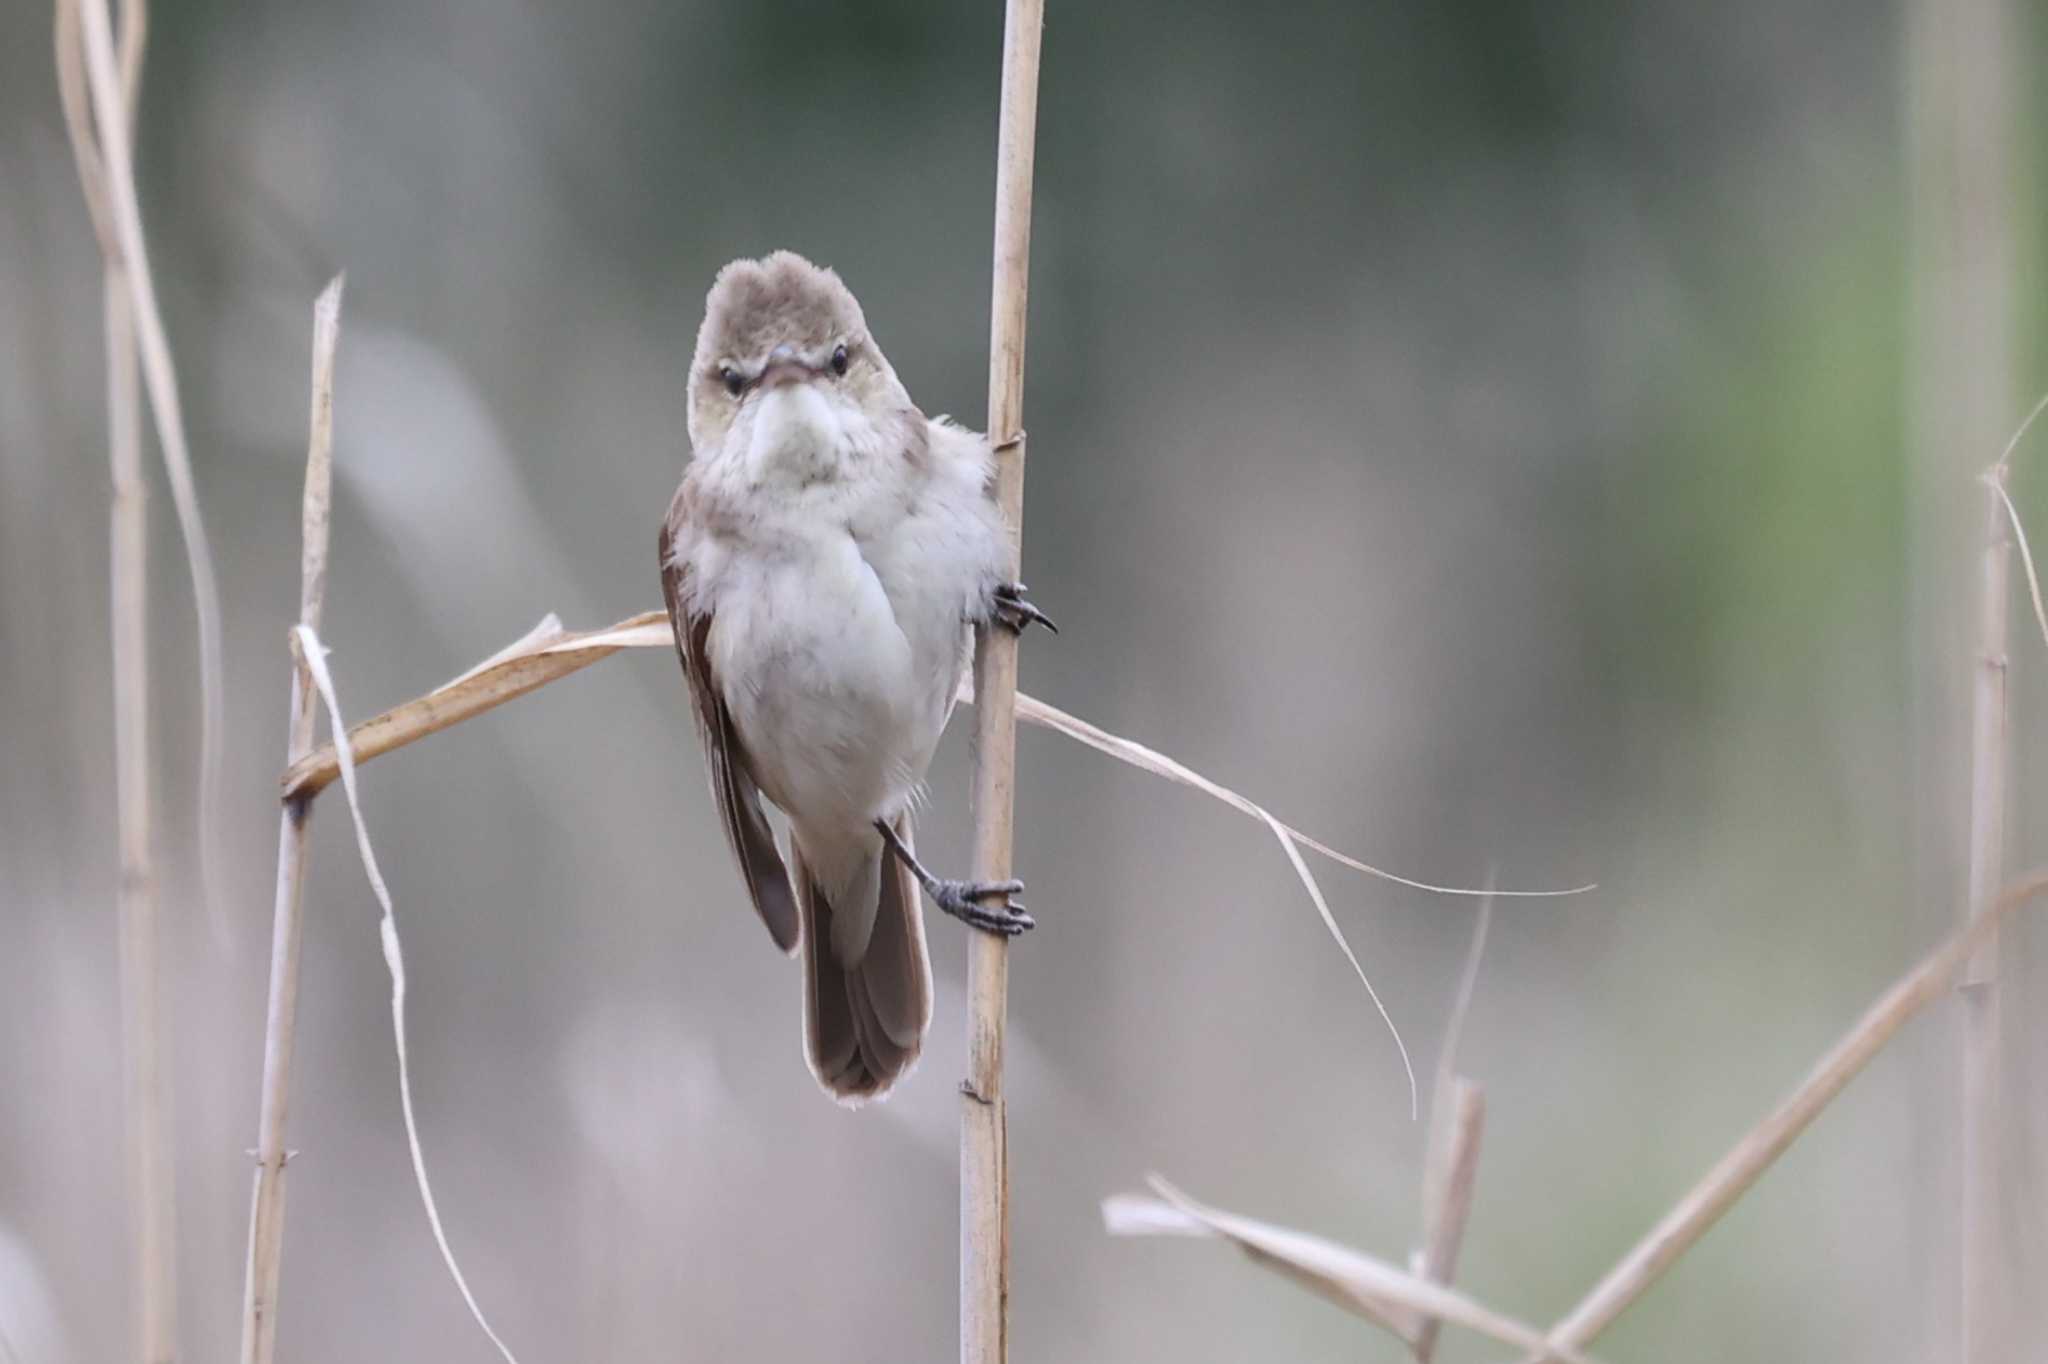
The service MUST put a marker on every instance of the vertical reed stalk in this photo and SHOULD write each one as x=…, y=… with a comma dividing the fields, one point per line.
x=1982, y=1250
x=151, y=1183
x=1962, y=147
x=984, y=1150
x=266, y=1215
x=142, y=1016
x=149, y=1124
x=141, y=949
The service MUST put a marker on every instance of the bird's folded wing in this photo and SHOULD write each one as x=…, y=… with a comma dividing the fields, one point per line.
x=732, y=782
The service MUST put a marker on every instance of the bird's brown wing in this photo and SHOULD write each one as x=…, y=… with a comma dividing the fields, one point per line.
x=732, y=782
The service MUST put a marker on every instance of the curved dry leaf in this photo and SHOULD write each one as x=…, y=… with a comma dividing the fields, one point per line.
x=1385, y=1295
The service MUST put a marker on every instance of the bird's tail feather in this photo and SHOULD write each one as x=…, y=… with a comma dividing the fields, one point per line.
x=864, y=1020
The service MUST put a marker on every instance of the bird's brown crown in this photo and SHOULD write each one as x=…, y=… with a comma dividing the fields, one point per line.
x=782, y=299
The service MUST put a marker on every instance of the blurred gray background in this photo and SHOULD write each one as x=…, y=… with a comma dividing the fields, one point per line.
x=1476, y=430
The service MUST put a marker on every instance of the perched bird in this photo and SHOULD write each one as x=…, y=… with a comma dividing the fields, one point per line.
x=825, y=560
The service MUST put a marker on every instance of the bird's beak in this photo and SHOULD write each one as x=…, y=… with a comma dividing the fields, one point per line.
x=784, y=367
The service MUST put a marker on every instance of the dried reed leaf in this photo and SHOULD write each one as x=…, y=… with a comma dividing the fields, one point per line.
x=1036, y=712
x=548, y=631
x=1149, y=760
x=1995, y=481
x=648, y=630
x=485, y=687
x=1137, y=1215
x=1347, y=1277
x=315, y=655
x=1994, y=478
x=2005, y=456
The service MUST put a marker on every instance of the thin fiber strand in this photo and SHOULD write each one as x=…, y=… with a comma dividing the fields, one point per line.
x=387, y=930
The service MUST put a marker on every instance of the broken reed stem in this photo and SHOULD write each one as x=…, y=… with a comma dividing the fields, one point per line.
x=984, y=1127
x=1759, y=1148
x=266, y=1212
x=152, y=1182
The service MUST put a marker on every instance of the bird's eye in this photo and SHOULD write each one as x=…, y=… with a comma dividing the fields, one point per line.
x=839, y=360
x=730, y=377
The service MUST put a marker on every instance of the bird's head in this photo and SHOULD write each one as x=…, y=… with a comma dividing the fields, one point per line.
x=780, y=332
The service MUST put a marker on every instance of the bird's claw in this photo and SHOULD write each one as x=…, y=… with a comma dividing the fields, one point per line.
x=962, y=900
x=1017, y=612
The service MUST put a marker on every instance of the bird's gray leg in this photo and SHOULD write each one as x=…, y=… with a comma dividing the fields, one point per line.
x=961, y=899
x=1017, y=612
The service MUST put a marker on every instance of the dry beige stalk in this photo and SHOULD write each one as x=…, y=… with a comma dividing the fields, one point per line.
x=1982, y=1254
x=984, y=1120
x=1759, y=1148
x=1982, y=1263
x=266, y=1213
x=152, y=1184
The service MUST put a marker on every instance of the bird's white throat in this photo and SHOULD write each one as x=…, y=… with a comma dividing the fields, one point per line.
x=800, y=436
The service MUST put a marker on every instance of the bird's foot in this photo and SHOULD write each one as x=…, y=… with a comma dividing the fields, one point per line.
x=962, y=900
x=1016, y=612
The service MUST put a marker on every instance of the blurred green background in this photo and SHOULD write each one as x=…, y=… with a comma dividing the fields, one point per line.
x=1480, y=431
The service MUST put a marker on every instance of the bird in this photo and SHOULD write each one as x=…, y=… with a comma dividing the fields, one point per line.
x=826, y=559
